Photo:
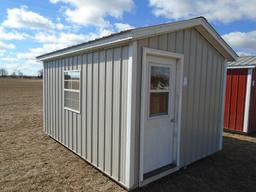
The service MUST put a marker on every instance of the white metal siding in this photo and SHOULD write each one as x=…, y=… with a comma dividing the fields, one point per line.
x=98, y=133
x=201, y=98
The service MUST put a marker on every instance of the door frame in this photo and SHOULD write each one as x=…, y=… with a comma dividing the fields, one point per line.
x=178, y=97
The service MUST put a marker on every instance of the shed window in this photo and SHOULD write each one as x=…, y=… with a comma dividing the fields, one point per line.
x=72, y=90
x=159, y=90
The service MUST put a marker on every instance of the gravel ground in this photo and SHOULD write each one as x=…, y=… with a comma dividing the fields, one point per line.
x=31, y=161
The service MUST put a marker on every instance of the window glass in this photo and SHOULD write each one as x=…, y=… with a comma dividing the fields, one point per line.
x=159, y=91
x=75, y=85
x=159, y=104
x=71, y=100
x=67, y=76
x=75, y=75
x=159, y=77
x=67, y=84
x=72, y=90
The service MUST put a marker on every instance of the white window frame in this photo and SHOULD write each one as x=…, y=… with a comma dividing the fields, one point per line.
x=72, y=90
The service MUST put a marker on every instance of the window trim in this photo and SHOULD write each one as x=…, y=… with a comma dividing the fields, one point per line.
x=72, y=90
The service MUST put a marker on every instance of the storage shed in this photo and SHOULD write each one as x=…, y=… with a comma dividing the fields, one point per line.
x=240, y=103
x=142, y=103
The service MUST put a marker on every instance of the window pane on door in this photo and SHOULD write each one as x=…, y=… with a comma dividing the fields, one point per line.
x=159, y=103
x=159, y=78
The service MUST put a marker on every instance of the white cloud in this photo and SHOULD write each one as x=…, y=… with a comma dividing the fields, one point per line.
x=220, y=10
x=60, y=38
x=8, y=59
x=123, y=26
x=54, y=41
x=243, y=42
x=88, y=12
x=23, y=18
x=6, y=46
x=11, y=35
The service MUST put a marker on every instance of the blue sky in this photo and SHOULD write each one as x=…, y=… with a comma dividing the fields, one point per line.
x=29, y=28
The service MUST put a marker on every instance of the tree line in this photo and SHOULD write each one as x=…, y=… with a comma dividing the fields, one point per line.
x=19, y=74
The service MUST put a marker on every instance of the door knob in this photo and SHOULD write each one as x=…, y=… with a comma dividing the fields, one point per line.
x=173, y=120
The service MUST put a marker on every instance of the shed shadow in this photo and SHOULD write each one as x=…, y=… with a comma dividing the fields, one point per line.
x=232, y=169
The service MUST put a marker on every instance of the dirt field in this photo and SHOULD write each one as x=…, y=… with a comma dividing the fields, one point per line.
x=31, y=161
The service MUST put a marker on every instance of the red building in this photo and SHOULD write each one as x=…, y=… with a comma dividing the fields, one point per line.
x=240, y=103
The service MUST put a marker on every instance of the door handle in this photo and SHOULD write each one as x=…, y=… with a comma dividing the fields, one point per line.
x=173, y=120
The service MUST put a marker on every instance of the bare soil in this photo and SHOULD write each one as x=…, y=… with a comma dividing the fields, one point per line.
x=32, y=161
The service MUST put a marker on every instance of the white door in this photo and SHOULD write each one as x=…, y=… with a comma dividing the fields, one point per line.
x=159, y=113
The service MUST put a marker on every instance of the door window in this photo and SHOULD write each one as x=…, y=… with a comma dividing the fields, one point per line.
x=159, y=90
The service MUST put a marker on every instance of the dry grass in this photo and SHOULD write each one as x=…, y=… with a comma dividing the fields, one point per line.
x=31, y=161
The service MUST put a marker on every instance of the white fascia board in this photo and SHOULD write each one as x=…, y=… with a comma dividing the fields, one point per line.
x=176, y=26
x=164, y=28
x=219, y=39
x=111, y=41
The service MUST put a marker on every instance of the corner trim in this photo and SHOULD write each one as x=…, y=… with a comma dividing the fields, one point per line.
x=131, y=107
x=247, y=101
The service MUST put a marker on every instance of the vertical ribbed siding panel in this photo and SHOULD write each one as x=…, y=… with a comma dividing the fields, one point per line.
x=212, y=106
x=215, y=105
x=200, y=98
x=84, y=106
x=190, y=96
x=123, y=112
x=45, y=97
x=74, y=115
x=184, y=145
x=55, y=130
x=48, y=98
x=116, y=113
x=197, y=102
x=108, y=114
x=179, y=47
x=61, y=103
x=162, y=42
x=102, y=95
x=207, y=119
x=219, y=89
x=79, y=119
x=98, y=132
x=89, y=108
x=70, y=116
x=57, y=97
x=95, y=109
x=153, y=42
x=171, y=42
x=51, y=97
x=66, y=113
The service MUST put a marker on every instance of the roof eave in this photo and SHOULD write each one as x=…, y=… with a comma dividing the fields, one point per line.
x=242, y=67
x=225, y=49
x=97, y=44
x=199, y=23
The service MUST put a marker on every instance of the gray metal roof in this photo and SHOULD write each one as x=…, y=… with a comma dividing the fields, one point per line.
x=244, y=61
